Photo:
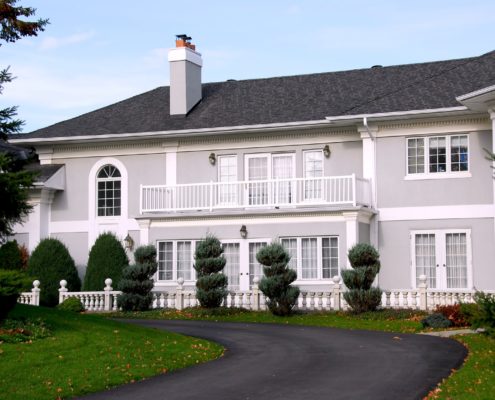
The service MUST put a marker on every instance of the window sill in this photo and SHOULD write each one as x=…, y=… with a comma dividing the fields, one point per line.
x=439, y=175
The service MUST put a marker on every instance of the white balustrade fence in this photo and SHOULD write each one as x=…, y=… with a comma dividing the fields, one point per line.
x=179, y=298
x=329, y=190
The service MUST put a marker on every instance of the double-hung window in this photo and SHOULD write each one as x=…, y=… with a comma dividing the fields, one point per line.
x=437, y=156
x=313, y=257
x=175, y=260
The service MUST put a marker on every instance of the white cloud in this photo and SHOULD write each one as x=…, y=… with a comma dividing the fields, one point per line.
x=51, y=42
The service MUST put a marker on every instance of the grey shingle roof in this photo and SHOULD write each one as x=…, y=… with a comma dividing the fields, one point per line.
x=292, y=98
x=45, y=171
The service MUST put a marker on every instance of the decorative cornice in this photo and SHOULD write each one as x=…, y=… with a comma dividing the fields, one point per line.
x=111, y=146
x=480, y=120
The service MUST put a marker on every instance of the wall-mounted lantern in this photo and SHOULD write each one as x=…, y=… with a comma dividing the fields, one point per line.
x=212, y=158
x=326, y=151
x=243, y=231
x=128, y=242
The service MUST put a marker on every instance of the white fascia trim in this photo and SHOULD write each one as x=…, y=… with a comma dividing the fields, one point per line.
x=178, y=133
x=476, y=93
x=439, y=175
x=396, y=114
x=436, y=212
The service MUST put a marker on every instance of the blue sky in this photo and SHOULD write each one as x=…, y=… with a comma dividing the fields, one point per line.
x=96, y=52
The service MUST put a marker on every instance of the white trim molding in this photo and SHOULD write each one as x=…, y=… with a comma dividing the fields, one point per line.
x=436, y=212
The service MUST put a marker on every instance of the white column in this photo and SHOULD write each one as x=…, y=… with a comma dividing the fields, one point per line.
x=38, y=219
x=144, y=231
x=351, y=230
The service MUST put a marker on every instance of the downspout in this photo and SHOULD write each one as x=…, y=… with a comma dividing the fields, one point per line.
x=374, y=197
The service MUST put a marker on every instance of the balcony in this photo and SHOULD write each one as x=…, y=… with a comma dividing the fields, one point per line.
x=339, y=191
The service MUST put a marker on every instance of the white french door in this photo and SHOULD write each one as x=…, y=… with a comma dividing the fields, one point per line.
x=263, y=172
x=444, y=256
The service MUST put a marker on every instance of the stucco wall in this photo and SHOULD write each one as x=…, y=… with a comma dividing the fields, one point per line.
x=395, y=191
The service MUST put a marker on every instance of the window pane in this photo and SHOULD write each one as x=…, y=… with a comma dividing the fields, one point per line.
x=255, y=268
x=184, y=260
x=459, y=153
x=108, y=193
x=438, y=154
x=227, y=193
x=282, y=169
x=257, y=170
x=291, y=247
x=231, y=254
x=456, y=265
x=415, y=156
x=313, y=171
x=425, y=258
x=309, y=262
x=165, y=261
x=329, y=258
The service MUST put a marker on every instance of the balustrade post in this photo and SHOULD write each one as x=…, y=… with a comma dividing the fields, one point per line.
x=36, y=293
x=423, y=295
x=179, y=299
x=107, y=299
x=63, y=289
x=336, y=293
x=256, y=294
x=211, y=196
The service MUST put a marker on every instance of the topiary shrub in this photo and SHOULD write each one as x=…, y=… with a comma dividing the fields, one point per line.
x=12, y=283
x=136, y=283
x=486, y=317
x=470, y=312
x=107, y=259
x=72, y=304
x=276, y=284
x=211, y=283
x=365, y=262
x=436, y=320
x=10, y=256
x=50, y=263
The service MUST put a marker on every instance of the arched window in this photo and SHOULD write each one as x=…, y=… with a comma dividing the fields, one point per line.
x=108, y=183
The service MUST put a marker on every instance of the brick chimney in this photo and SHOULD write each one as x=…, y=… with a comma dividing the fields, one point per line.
x=185, y=76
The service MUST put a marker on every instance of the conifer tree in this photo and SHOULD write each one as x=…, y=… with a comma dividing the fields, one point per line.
x=276, y=284
x=211, y=283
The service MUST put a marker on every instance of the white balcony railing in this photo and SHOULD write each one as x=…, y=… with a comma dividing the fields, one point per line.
x=333, y=190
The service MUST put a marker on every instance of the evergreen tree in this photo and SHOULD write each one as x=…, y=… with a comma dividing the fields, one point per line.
x=10, y=256
x=365, y=262
x=14, y=183
x=211, y=283
x=276, y=284
x=107, y=259
x=50, y=263
x=136, y=283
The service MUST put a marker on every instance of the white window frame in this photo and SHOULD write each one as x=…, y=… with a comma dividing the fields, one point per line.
x=220, y=188
x=440, y=256
x=174, y=260
x=241, y=271
x=437, y=175
x=319, y=259
x=314, y=198
x=105, y=198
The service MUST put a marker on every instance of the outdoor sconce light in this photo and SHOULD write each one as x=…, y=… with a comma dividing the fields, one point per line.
x=212, y=158
x=326, y=151
x=243, y=232
x=128, y=242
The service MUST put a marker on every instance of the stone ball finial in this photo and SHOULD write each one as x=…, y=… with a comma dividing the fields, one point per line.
x=108, y=282
x=180, y=281
x=422, y=278
x=336, y=279
x=256, y=280
x=63, y=283
x=36, y=284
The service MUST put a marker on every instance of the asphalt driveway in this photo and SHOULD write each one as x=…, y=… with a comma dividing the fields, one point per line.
x=294, y=362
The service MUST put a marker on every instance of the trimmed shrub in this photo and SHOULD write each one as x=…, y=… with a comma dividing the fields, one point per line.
x=107, y=259
x=72, y=304
x=436, y=321
x=276, y=284
x=365, y=260
x=136, y=283
x=10, y=256
x=50, y=263
x=453, y=313
x=486, y=317
x=470, y=311
x=12, y=283
x=211, y=283
x=24, y=256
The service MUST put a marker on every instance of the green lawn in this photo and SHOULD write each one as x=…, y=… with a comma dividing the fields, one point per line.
x=89, y=353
